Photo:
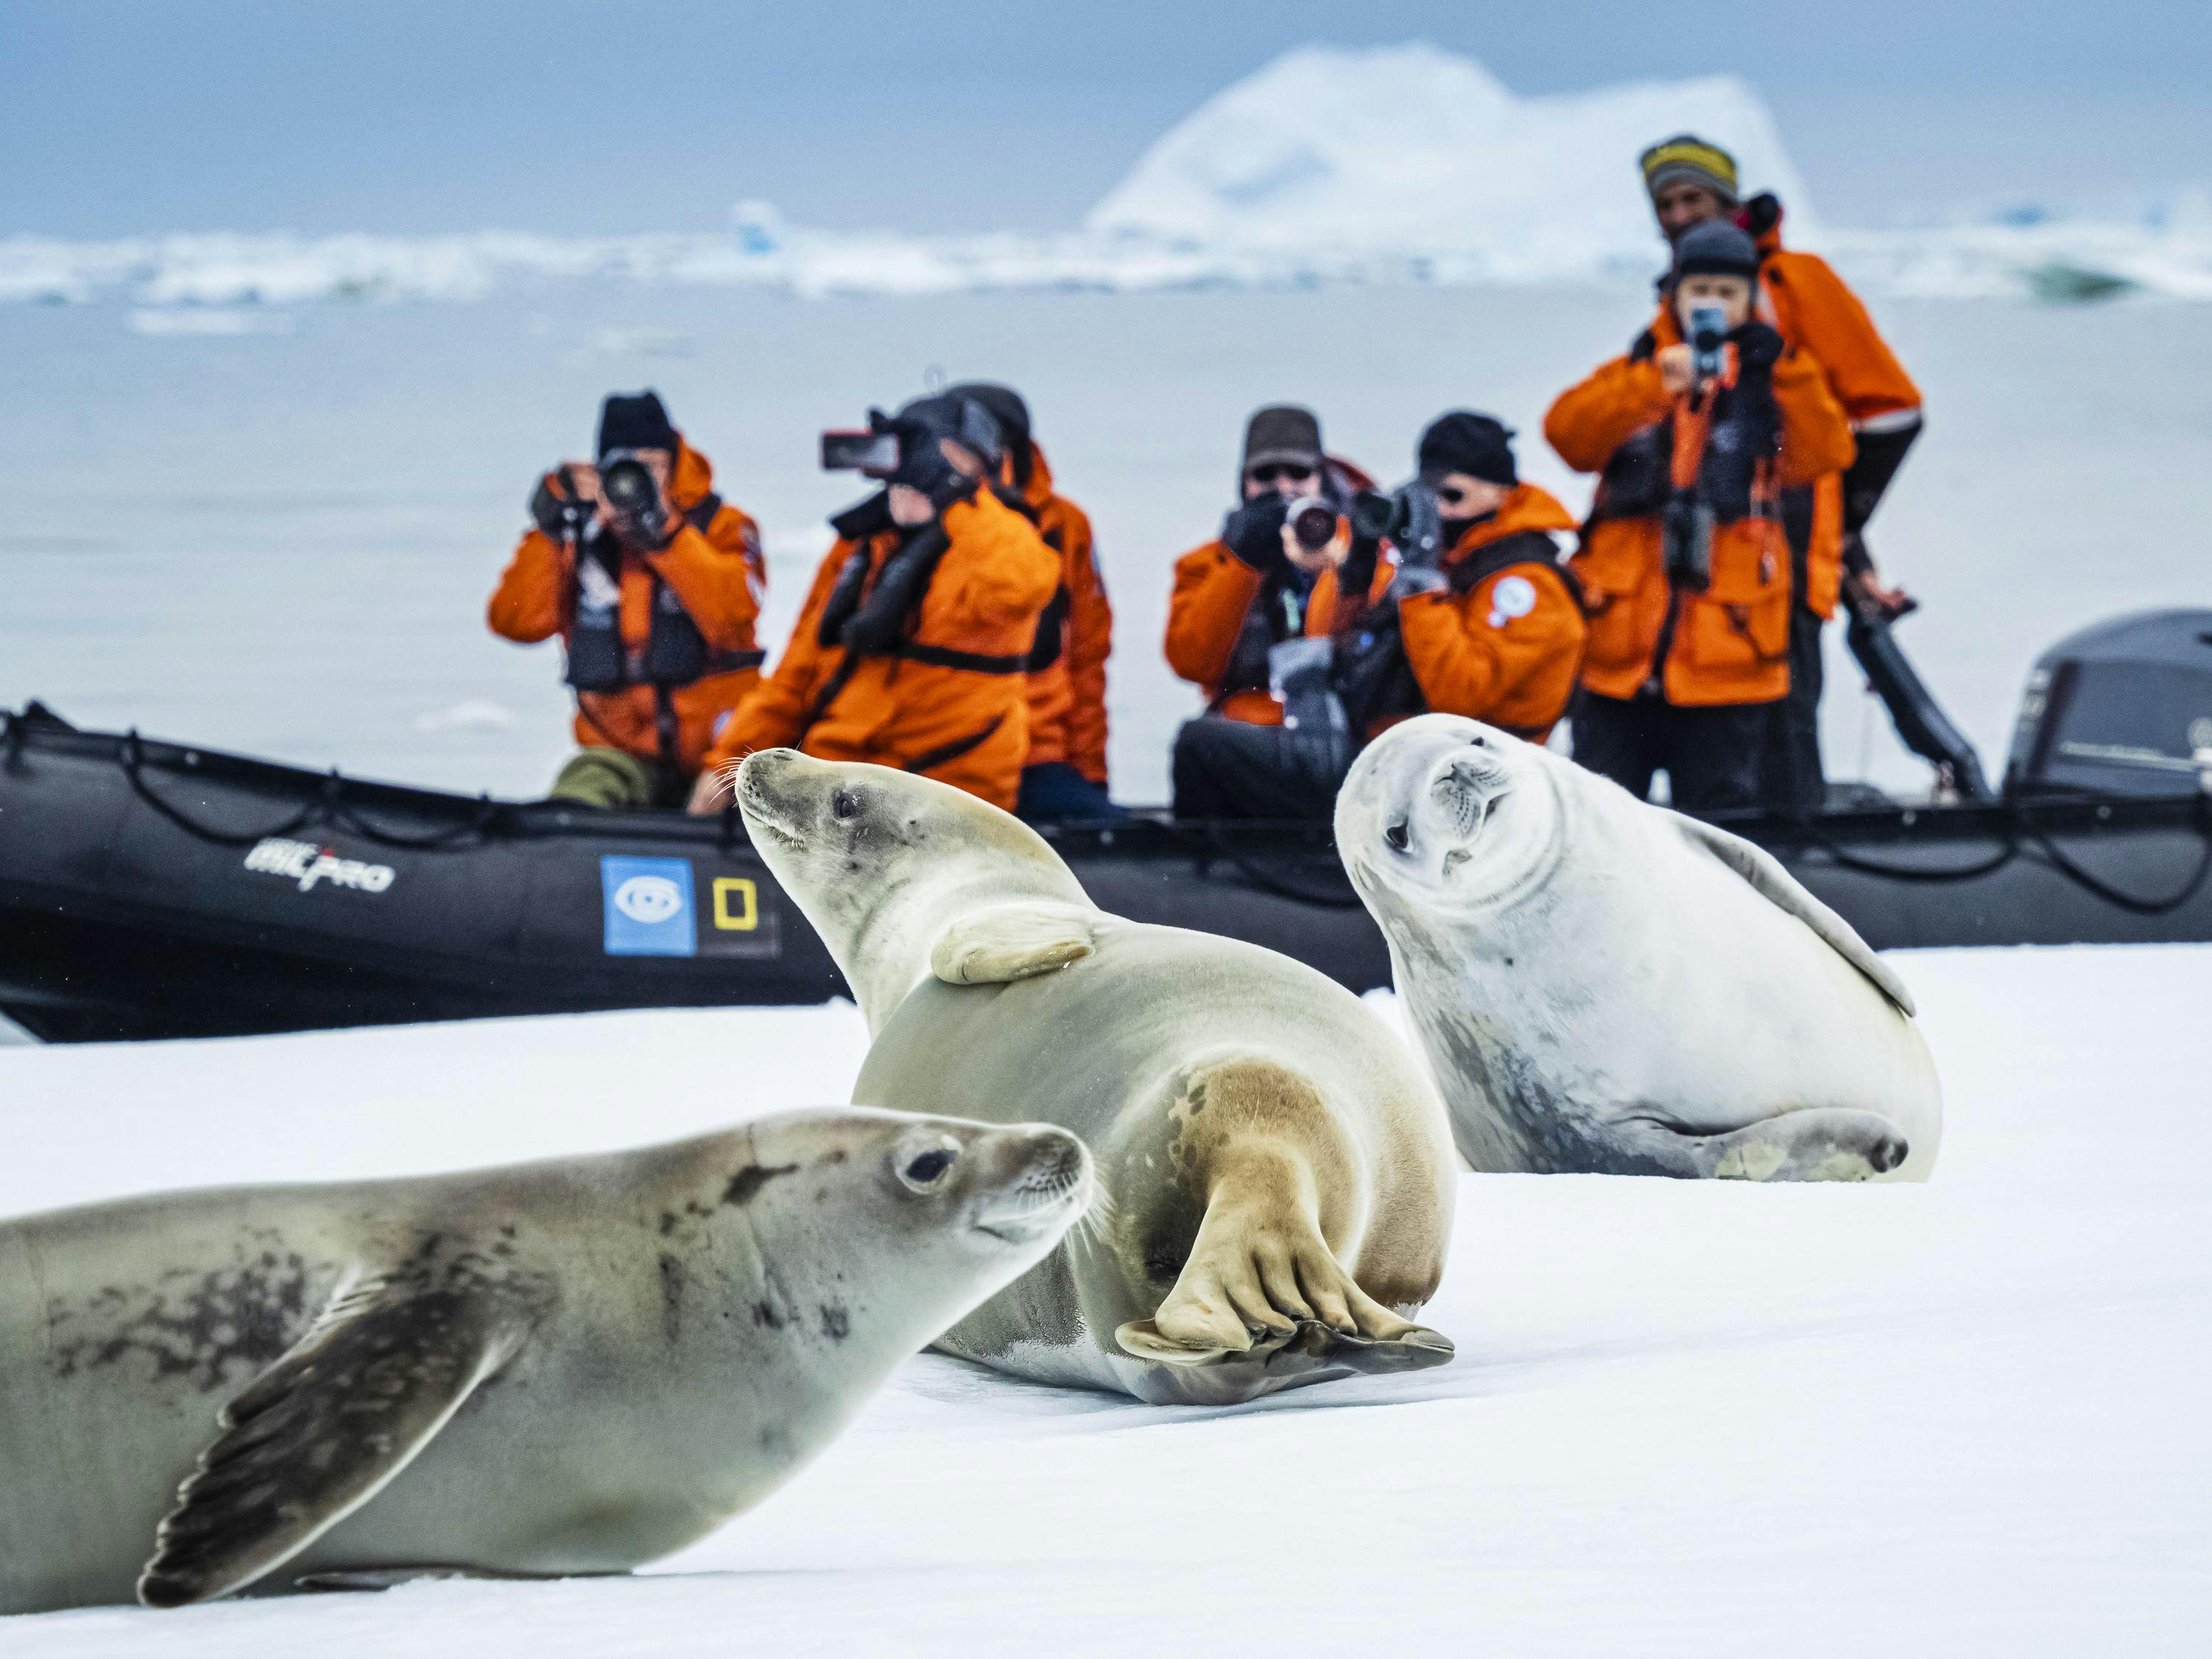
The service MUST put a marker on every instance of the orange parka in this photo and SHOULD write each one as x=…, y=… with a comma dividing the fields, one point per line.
x=1505, y=646
x=1067, y=670
x=717, y=573
x=1206, y=615
x=967, y=725
x=1729, y=643
x=1814, y=311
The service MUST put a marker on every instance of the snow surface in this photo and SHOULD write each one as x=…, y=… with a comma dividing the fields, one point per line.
x=1686, y=1418
x=1392, y=165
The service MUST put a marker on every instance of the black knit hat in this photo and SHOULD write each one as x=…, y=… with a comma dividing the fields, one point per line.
x=635, y=422
x=1715, y=248
x=963, y=419
x=1478, y=444
x=1282, y=432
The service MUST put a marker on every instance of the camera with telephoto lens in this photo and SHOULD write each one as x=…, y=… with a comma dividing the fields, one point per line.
x=1708, y=332
x=1409, y=517
x=633, y=496
x=1312, y=521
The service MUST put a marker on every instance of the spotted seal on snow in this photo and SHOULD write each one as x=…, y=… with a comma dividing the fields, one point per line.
x=565, y=1367
x=1280, y=1168
x=1605, y=985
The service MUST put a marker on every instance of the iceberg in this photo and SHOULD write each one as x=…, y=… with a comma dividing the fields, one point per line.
x=1410, y=152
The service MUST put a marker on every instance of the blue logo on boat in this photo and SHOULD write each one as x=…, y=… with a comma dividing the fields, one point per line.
x=648, y=907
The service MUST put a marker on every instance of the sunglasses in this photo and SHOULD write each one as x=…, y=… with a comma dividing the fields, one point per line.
x=1289, y=471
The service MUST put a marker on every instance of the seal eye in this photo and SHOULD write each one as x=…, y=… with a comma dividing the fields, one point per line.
x=926, y=1172
x=1478, y=743
x=1397, y=836
x=845, y=803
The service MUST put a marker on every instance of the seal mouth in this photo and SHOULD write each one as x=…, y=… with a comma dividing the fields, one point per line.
x=1039, y=1203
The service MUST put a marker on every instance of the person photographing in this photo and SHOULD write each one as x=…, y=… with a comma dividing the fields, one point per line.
x=1693, y=182
x=1479, y=619
x=653, y=584
x=914, y=644
x=1686, y=569
x=1251, y=622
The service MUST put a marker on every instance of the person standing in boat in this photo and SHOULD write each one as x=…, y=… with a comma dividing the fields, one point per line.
x=654, y=583
x=1691, y=182
x=913, y=646
x=1684, y=569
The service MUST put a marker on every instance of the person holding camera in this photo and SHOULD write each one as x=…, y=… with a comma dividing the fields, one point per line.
x=1481, y=621
x=1685, y=567
x=913, y=645
x=654, y=583
x=1693, y=182
x=1252, y=620
x=1064, y=779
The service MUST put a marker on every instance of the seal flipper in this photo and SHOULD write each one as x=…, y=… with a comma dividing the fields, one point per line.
x=1777, y=885
x=323, y=1431
x=1008, y=942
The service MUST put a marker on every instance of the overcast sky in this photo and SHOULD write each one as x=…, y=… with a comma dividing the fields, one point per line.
x=119, y=116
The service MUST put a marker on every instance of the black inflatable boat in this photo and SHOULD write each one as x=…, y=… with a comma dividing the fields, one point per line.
x=156, y=890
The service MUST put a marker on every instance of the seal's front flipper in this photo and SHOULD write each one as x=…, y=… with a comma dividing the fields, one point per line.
x=322, y=1431
x=1008, y=942
x=1766, y=875
x=1827, y=1143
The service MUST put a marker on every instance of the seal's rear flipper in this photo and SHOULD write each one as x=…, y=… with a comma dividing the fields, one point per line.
x=1008, y=942
x=322, y=1431
x=1308, y=1347
x=1827, y=1143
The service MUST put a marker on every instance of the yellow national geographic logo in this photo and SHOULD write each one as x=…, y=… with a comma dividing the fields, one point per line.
x=736, y=904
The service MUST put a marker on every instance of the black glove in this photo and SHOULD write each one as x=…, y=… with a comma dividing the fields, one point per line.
x=1254, y=532
x=1757, y=347
x=552, y=510
x=923, y=466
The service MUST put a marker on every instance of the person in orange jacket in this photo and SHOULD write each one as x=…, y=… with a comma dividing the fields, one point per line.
x=1251, y=621
x=1064, y=779
x=654, y=583
x=1484, y=624
x=913, y=645
x=1691, y=182
x=1685, y=567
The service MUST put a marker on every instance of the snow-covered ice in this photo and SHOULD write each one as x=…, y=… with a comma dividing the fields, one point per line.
x=1685, y=1419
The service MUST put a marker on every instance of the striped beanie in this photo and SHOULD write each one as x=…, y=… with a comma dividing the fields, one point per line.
x=1688, y=158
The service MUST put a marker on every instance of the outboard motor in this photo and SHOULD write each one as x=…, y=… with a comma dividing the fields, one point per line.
x=2121, y=708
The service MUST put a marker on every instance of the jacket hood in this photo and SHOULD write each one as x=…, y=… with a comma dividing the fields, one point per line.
x=693, y=480
x=1528, y=507
x=1038, y=490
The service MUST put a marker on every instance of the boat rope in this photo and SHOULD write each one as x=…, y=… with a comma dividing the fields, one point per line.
x=327, y=805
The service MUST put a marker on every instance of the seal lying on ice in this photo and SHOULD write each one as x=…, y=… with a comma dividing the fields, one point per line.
x=1605, y=985
x=1280, y=1169
x=567, y=1367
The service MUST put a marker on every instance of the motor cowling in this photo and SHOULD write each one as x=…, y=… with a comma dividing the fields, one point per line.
x=2124, y=707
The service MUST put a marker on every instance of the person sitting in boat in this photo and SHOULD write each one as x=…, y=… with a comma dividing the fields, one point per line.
x=1480, y=620
x=1684, y=569
x=1693, y=182
x=1064, y=779
x=1250, y=621
x=654, y=583
x=913, y=645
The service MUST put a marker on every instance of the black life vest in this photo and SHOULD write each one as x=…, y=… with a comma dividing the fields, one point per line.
x=1373, y=675
x=675, y=652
